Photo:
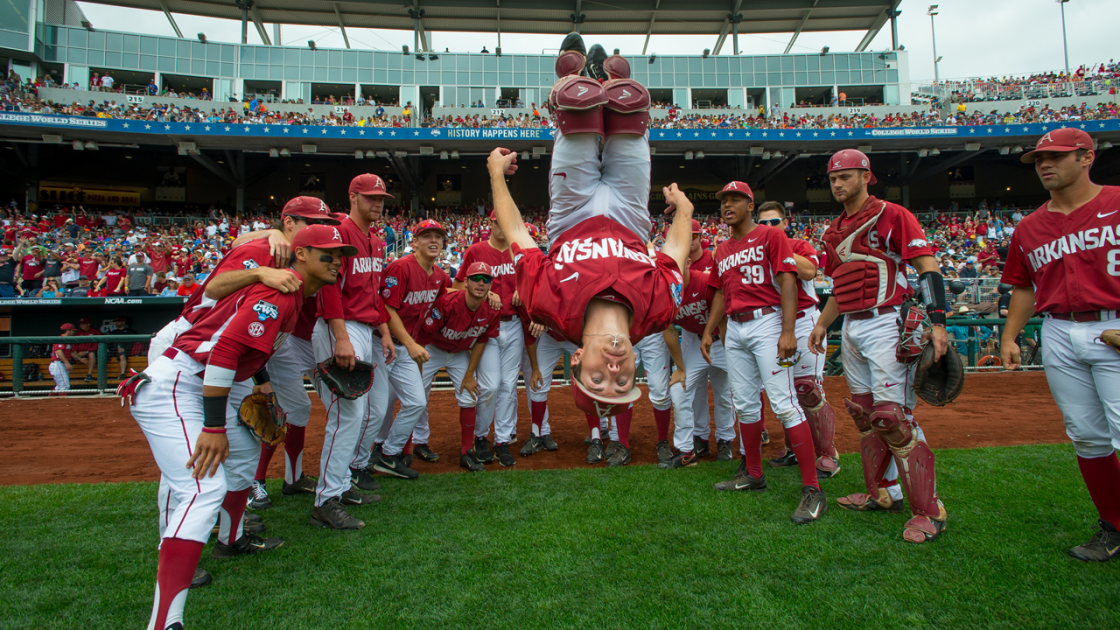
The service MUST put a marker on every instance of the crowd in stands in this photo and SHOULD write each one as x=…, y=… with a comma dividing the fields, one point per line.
x=1086, y=80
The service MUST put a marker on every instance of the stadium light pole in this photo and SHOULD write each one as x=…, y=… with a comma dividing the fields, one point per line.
x=932, y=11
x=1065, y=44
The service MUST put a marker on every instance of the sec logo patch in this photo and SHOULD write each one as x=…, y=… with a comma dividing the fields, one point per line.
x=256, y=329
x=386, y=292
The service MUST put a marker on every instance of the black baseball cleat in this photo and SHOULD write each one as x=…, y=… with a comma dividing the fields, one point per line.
x=664, y=452
x=468, y=461
x=621, y=456
x=739, y=474
x=680, y=460
x=395, y=466
x=595, y=58
x=333, y=516
x=549, y=443
x=304, y=485
x=201, y=578
x=505, y=458
x=532, y=445
x=258, y=496
x=595, y=452
x=482, y=450
x=362, y=479
x=724, y=451
x=812, y=506
x=353, y=497
x=701, y=447
x=248, y=543
x=573, y=42
x=423, y=452
x=1102, y=547
x=784, y=460
x=612, y=448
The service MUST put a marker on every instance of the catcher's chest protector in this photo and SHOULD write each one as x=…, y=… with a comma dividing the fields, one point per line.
x=864, y=277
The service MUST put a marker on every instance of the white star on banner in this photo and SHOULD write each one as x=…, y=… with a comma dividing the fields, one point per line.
x=227, y=127
x=361, y=132
x=187, y=127
x=147, y=126
x=126, y=125
x=207, y=127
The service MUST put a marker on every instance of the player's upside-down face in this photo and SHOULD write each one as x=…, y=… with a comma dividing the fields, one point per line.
x=735, y=208
x=846, y=184
x=428, y=244
x=606, y=369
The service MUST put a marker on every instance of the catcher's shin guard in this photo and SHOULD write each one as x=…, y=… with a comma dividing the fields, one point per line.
x=818, y=413
x=913, y=456
x=577, y=103
x=627, y=109
x=874, y=453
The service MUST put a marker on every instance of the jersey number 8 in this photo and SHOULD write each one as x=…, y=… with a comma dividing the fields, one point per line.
x=1114, y=262
x=752, y=274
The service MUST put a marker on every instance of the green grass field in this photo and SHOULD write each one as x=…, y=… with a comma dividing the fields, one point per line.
x=605, y=548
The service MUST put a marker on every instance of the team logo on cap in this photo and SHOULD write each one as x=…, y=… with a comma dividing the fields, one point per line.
x=1045, y=138
x=337, y=236
x=733, y=186
x=323, y=207
x=266, y=311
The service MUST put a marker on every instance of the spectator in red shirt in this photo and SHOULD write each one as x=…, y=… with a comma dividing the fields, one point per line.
x=113, y=282
x=188, y=285
x=88, y=266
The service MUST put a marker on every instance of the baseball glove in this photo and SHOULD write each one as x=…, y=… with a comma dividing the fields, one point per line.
x=265, y=418
x=343, y=383
x=939, y=382
x=1112, y=338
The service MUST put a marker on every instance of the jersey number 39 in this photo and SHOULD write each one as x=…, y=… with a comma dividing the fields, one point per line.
x=752, y=274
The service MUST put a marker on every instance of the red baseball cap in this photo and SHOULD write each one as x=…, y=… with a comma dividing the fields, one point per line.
x=84, y=320
x=322, y=237
x=602, y=406
x=533, y=230
x=309, y=208
x=493, y=215
x=426, y=225
x=696, y=224
x=850, y=158
x=68, y=327
x=369, y=184
x=1060, y=141
x=734, y=187
x=480, y=268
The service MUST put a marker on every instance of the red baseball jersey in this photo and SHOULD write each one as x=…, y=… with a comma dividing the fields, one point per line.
x=86, y=347
x=696, y=304
x=66, y=349
x=256, y=317
x=408, y=288
x=354, y=297
x=501, y=265
x=308, y=315
x=806, y=291
x=704, y=264
x=1072, y=261
x=452, y=327
x=248, y=255
x=747, y=268
x=598, y=258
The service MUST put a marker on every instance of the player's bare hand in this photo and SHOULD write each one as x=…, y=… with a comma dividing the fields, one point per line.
x=344, y=354
x=816, y=340
x=536, y=381
x=787, y=345
x=418, y=353
x=388, y=350
x=675, y=199
x=495, y=301
x=263, y=389
x=280, y=248
x=537, y=330
x=502, y=162
x=940, y=339
x=706, y=347
x=282, y=280
x=677, y=377
x=470, y=385
x=1009, y=354
x=210, y=450
x=516, y=299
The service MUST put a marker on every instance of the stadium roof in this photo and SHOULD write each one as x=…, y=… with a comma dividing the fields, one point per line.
x=592, y=17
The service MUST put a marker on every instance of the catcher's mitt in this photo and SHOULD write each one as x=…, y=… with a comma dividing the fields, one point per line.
x=343, y=383
x=939, y=382
x=1112, y=338
x=265, y=418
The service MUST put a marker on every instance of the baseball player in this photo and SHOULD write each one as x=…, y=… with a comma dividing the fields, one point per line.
x=808, y=380
x=186, y=404
x=755, y=283
x=409, y=287
x=61, y=356
x=653, y=353
x=506, y=350
x=353, y=325
x=867, y=248
x=455, y=332
x=86, y=353
x=598, y=286
x=1064, y=262
x=539, y=359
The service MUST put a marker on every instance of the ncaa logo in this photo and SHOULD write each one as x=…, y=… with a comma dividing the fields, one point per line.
x=256, y=329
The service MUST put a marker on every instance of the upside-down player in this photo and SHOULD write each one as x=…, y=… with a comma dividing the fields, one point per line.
x=182, y=403
x=867, y=248
x=1064, y=262
x=598, y=286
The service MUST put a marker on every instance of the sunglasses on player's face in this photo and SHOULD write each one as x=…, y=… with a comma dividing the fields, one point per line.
x=479, y=278
x=770, y=222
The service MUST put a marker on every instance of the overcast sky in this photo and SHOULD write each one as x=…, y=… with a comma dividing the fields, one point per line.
x=975, y=37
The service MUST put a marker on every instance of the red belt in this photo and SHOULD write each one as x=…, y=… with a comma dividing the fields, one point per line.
x=868, y=314
x=755, y=314
x=1079, y=316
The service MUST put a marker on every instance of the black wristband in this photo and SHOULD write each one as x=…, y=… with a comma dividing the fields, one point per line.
x=260, y=378
x=214, y=411
x=932, y=287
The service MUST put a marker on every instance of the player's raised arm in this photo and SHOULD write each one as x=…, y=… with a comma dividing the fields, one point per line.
x=503, y=162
